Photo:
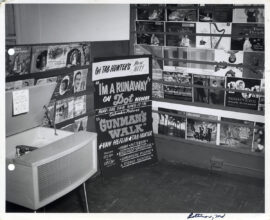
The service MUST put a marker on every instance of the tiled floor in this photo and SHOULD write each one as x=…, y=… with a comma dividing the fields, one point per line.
x=163, y=187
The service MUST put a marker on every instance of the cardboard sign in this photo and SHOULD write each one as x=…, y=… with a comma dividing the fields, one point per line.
x=124, y=114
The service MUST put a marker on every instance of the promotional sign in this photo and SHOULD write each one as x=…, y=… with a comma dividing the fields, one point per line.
x=123, y=93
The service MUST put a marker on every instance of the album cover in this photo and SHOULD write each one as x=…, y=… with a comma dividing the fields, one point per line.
x=79, y=80
x=86, y=53
x=48, y=119
x=79, y=105
x=18, y=60
x=213, y=42
x=150, y=38
x=175, y=53
x=153, y=13
x=64, y=110
x=247, y=37
x=19, y=84
x=74, y=55
x=173, y=125
x=253, y=65
x=57, y=56
x=39, y=59
x=247, y=15
x=69, y=127
x=64, y=85
x=155, y=51
x=46, y=80
x=216, y=96
x=199, y=129
x=201, y=55
x=185, y=34
x=225, y=58
x=201, y=94
x=182, y=12
x=242, y=99
x=258, y=144
x=236, y=136
x=215, y=13
x=261, y=105
x=81, y=124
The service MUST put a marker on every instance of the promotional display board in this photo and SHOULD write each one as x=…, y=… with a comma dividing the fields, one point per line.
x=122, y=100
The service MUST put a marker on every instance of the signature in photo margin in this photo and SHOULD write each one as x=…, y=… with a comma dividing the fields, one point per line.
x=200, y=215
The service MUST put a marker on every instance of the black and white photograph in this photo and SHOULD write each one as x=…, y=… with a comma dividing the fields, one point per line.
x=134, y=110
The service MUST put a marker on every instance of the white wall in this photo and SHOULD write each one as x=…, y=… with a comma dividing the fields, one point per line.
x=49, y=23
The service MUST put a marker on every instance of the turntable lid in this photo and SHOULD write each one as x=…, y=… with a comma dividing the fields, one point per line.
x=39, y=96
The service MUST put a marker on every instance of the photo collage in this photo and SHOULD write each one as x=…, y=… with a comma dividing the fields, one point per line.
x=211, y=44
x=225, y=132
x=68, y=105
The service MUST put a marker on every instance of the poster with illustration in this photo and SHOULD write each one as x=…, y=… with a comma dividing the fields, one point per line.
x=148, y=35
x=122, y=100
x=242, y=99
x=18, y=60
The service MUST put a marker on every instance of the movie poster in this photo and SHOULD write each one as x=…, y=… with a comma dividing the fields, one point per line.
x=184, y=12
x=248, y=15
x=258, y=144
x=242, y=99
x=79, y=80
x=64, y=110
x=172, y=125
x=39, y=58
x=122, y=100
x=216, y=96
x=215, y=13
x=236, y=136
x=57, y=56
x=224, y=59
x=247, y=37
x=79, y=105
x=201, y=94
x=201, y=55
x=18, y=60
x=150, y=37
x=183, y=91
x=175, y=53
x=155, y=51
x=221, y=41
x=152, y=13
x=199, y=129
x=81, y=124
x=185, y=34
x=253, y=65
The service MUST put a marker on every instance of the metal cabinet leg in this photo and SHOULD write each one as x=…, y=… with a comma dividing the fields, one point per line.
x=85, y=198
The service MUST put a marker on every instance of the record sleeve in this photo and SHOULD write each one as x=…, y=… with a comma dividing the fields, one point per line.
x=170, y=124
x=247, y=37
x=258, y=144
x=154, y=13
x=57, y=56
x=79, y=105
x=185, y=34
x=199, y=129
x=39, y=59
x=253, y=65
x=215, y=13
x=63, y=86
x=201, y=94
x=150, y=38
x=216, y=96
x=182, y=12
x=79, y=80
x=236, y=136
x=248, y=15
x=18, y=60
x=64, y=110
x=242, y=99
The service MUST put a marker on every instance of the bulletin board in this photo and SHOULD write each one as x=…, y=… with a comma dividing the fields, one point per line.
x=67, y=64
x=208, y=72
